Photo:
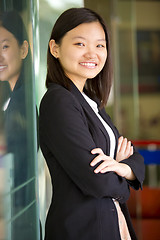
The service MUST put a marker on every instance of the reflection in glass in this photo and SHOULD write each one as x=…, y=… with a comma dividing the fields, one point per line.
x=16, y=116
x=14, y=56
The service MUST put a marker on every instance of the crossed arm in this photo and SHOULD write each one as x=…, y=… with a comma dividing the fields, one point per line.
x=64, y=126
x=125, y=150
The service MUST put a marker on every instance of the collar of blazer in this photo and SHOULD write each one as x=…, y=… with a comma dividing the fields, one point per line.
x=91, y=114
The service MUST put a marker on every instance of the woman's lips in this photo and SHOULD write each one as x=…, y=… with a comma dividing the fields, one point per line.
x=89, y=64
x=2, y=67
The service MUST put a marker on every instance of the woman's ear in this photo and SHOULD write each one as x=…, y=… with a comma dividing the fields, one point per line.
x=53, y=48
x=24, y=49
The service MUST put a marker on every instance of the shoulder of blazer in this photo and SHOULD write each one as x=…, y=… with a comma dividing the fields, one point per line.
x=58, y=98
x=55, y=90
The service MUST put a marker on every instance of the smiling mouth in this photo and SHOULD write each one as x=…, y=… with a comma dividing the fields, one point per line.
x=89, y=64
x=2, y=67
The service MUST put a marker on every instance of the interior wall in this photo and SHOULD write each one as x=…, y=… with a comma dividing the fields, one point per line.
x=148, y=14
x=103, y=7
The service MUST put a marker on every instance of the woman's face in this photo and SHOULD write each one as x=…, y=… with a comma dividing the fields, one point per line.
x=82, y=52
x=11, y=55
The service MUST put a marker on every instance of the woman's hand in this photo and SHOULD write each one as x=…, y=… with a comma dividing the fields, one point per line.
x=125, y=150
x=109, y=164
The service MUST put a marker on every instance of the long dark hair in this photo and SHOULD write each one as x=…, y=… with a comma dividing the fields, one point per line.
x=98, y=86
x=12, y=21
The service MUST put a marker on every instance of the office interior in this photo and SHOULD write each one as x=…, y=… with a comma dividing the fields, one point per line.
x=133, y=105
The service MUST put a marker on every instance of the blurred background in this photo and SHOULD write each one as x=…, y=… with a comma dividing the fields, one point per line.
x=134, y=106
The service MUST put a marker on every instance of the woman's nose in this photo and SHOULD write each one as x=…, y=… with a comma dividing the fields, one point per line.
x=90, y=53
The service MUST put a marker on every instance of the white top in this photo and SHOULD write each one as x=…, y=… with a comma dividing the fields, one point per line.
x=124, y=232
x=5, y=106
x=94, y=106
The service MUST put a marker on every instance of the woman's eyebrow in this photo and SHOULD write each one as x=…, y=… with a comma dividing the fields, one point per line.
x=83, y=38
x=103, y=40
x=5, y=40
x=78, y=37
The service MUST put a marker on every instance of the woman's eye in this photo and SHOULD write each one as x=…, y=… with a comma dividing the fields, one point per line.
x=5, y=46
x=79, y=44
x=100, y=46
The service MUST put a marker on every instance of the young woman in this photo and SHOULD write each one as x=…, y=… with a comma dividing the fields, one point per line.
x=14, y=47
x=16, y=72
x=91, y=170
x=15, y=62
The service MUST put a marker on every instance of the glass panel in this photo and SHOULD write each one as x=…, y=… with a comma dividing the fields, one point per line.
x=137, y=98
x=18, y=134
x=126, y=112
x=136, y=38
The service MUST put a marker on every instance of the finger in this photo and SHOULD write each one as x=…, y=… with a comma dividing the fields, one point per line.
x=123, y=145
x=118, y=168
x=120, y=140
x=97, y=151
x=96, y=160
x=101, y=167
x=107, y=169
x=110, y=167
x=99, y=158
x=127, y=150
x=131, y=151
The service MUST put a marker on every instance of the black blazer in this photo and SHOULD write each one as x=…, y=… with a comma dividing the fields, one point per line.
x=82, y=206
x=16, y=131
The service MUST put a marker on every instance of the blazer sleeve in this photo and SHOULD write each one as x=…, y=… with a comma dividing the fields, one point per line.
x=135, y=162
x=64, y=130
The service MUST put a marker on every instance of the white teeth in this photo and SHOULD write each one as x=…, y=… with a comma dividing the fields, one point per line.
x=89, y=64
x=2, y=67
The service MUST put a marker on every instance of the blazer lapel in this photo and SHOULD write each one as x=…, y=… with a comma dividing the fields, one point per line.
x=87, y=108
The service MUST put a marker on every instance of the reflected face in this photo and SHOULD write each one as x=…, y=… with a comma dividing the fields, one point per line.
x=10, y=57
x=82, y=52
